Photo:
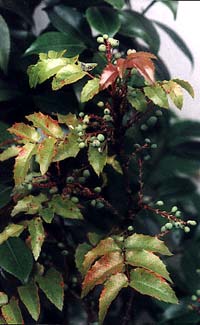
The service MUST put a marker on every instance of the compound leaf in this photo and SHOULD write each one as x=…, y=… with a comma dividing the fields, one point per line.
x=97, y=159
x=67, y=75
x=25, y=132
x=29, y=296
x=12, y=230
x=65, y=208
x=45, y=153
x=9, y=153
x=5, y=44
x=90, y=90
x=157, y=95
x=37, y=236
x=81, y=251
x=22, y=162
x=67, y=149
x=11, y=312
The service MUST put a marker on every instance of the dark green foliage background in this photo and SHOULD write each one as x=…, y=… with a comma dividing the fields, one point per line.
x=168, y=176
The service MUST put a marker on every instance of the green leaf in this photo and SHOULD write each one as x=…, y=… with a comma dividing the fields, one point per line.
x=9, y=153
x=103, y=19
x=105, y=246
x=134, y=24
x=97, y=159
x=53, y=287
x=157, y=95
x=67, y=149
x=21, y=8
x=114, y=163
x=90, y=90
x=172, y=5
x=56, y=41
x=67, y=75
x=147, y=260
x=186, y=85
x=30, y=204
x=5, y=44
x=46, y=151
x=25, y=132
x=66, y=20
x=137, y=99
x=81, y=251
x=174, y=91
x=12, y=230
x=48, y=125
x=65, y=208
x=16, y=259
x=107, y=265
x=3, y=298
x=111, y=289
x=177, y=40
x=116, y=3
x=22, y=162
x=12, y=313
x=29, y=296
x=149, y=243
x=150, y=284
x=36, y=230
x=47, y=214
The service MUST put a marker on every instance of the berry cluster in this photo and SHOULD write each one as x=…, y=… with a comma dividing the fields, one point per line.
x=151, y=121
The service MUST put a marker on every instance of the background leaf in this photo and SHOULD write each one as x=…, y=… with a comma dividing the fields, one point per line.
x=116, y=3
x=172, y=5
x=29, y=296
x=11, y=312
x=5, y=44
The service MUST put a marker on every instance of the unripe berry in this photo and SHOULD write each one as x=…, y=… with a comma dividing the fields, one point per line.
x=53, y=190
x=82, y=145
x=147, y=140
x=70, y=179
x=74, y=199
x=194, y=298
x=100, y=104
x=117, y=55
x=160, y=203
x=130, y=51
x=113, y=42
x=168, y=226
x=79, y=128
x=178, y=214
x=144, y=127
x=154, y=146
x=177, y=224
x=97, y=189
x=100, y=137
x=80, y=134
x=82, y=180
x=130, y=228
x=99, y=205
x=147, y=157
x=61, y=245
x=105, y=36
x=198, y=292
x=93, y=138
x=86, y=173
x=96, y=143
x=93, y=203
x=174, y=209
x=158, y=113
x=107, y=118
x=106, y=111
x=186, y=229
x=100, y=39
x=29, y=187
x=192, y=222
x=163, y=229
x=81, y=114
x=152, y=120
x=102, y=48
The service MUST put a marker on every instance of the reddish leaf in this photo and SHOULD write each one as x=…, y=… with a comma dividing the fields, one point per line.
x=24, y=131
x=142, y=61
x=107, y=265
x=121, y=66
x=109, y=75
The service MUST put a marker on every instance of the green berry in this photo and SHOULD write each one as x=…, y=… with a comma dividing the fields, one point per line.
x=81, y=145
x=192, y=222
x=130, y=228
x=93, y=203
x=102, y=48
x=186, y=229
x=177, y=224
x=113, y=42
x=29, y=187
x=53, y=190
x=154, y=146
x=120, y=238
x=178, y=214
x=163, y=229
x=80, y=134
x=174, y=209
x=96, y=143
x=79, y=128
x=198, y=271
x=168, y=226
x=107, y=118
x=70, y=179
x=106, y=111
x=194, y=298
x=86, y=173
x=61, y=245
x=137, y=145
x=144, y=127
x=100, y=104
x=160, y=203
x=147, y=157
x=152, y=120
x=117, y=55
x=64, y=252
x=130, y=51
x=99, y=205
x=158, y=113
x=100, y=39
x=97, y=189
x=198, y=292
x=74, y=199
x=81, y=114
x=147, y=140
x=93, y=138
x=105, y=36
x=82, y=180
x=100, y=137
